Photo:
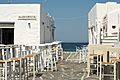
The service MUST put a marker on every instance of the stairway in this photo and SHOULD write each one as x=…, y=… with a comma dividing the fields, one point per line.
x=109, y=40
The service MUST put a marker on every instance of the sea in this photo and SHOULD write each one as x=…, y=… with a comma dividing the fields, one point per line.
x=71, y=46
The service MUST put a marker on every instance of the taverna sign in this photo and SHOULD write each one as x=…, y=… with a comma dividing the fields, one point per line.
x=26, y=17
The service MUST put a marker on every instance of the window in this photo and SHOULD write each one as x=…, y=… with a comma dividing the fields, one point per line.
x=103, y=27
x=47, y=26
x=42, y=23
x=113, y=27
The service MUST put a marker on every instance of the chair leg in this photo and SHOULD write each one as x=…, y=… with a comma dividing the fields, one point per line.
x=20, y=70
x=33, y=68
x=5, y=70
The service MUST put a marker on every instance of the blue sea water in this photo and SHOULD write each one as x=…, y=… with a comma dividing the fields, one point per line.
x=71, y=46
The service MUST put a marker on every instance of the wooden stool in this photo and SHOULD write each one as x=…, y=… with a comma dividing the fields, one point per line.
x=5, y=69
x=31, y=64
x=40, y=62
x=105, y=73
x=18, y=69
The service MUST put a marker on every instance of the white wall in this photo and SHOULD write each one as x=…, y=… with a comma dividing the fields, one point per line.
x=27, y=30
x=47, y=36
x=95, y=18
x=113, y=20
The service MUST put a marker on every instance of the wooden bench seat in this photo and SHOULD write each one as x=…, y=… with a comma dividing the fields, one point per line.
x=16, y=59
x=115, y=60
x=107, y=63
x=3, y=61
x=30, y=55
x=92, y=54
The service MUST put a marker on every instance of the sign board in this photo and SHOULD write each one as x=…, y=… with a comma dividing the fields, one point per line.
x=26, y=17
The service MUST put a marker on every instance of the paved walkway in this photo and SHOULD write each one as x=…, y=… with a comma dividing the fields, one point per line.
x=67, y=71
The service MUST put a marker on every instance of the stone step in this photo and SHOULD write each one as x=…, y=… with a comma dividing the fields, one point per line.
x=108, y=40
x=110, y=37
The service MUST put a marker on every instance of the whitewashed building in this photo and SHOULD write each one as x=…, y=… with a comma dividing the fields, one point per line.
x=104, y=41
x=25, y=24
x=104, y=23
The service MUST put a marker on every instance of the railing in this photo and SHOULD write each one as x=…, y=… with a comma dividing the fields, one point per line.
x=79, y=56
x=22, y=61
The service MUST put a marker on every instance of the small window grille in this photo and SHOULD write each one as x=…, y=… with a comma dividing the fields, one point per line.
x=29, y=25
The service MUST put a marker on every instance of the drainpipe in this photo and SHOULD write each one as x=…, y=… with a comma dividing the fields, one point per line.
x=119, y=35
x=44, y=34
x=118, y=30
x=98, y=32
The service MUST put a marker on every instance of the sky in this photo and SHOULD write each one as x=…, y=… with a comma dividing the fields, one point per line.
x=70, y=16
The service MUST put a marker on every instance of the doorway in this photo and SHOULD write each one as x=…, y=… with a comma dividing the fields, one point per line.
x=6, y=36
